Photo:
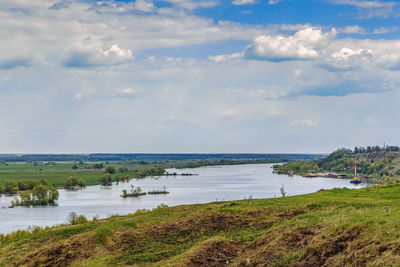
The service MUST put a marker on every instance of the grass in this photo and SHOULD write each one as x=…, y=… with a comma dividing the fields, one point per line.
x=334, y=228
x=56, y=173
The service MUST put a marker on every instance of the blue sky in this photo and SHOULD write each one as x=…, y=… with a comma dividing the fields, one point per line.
x=258, y=76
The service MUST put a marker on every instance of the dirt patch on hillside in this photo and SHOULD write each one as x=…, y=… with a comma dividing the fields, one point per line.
x=335, y=243
x=199, y=224
x=62, y=253
x=214, y=253
x=275, y=246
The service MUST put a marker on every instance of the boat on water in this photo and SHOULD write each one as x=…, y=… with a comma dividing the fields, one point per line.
x=355, y=179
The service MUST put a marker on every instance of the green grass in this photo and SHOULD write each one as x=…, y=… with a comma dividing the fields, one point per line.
x=337, y=227
x=57, y=174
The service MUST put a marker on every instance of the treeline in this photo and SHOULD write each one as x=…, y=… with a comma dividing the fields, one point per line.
x=146, y=157
x=342, y=160
x=198, y=164
x=370, y=149
x=153, y=171
x=296, y=167
x=73, y=182
x=12, y=187
x=108, y=178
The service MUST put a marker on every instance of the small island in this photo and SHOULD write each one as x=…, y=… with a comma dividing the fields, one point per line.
x=159, y=192
x=135, y=192
x=40, y=195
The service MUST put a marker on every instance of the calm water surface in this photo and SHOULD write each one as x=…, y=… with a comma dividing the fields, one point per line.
x=217, y=183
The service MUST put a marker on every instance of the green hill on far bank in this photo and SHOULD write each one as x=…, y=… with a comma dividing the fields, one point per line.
x=372, y=162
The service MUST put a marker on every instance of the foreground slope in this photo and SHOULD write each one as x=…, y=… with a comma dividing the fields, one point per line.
x=332, y=228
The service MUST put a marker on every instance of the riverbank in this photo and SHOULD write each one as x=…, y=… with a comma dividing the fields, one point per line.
x=379, y=165
x=333, y=227
x=216, y=183
x=56, y=173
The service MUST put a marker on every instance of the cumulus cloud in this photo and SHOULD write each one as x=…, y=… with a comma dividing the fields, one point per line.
x=88, y=55
x=304, y=44
x=243, y=2
x=348, y=58
x=389, y=61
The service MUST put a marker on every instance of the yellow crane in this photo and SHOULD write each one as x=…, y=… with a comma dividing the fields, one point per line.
x=355, y=178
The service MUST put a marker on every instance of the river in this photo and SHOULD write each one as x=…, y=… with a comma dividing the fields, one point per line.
x=216, y=183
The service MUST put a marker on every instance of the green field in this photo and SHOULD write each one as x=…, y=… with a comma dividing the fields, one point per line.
x=339, y=227
x=56, y=173
x=53, y=174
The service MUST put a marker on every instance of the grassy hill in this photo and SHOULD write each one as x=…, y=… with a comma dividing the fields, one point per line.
x=376, y=163
x=328, y=228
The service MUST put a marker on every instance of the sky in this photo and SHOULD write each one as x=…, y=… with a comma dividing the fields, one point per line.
x=206, y=76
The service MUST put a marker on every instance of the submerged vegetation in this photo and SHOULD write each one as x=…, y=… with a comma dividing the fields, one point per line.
x=338, y=227
x=89, y=169
x=12, y=187
x=135, y=192
x=163, y=190
x=40, y=195
x=72, y=182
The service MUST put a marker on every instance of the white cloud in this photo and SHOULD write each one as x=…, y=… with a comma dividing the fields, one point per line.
x=389, y=61
x=274, y=2
x=303, y=123
x=353, y=29
x=87, y=55
x=366, y=3
x=304, y=44
x=228, y=113
x=334, y=88
x=193, y=4
x=348, y=58
x=220, y=58
x=383, y=30
x=121, y=7
x=243, y=2
x=371, y=8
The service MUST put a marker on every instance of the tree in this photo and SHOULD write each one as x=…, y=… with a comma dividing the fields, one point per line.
x=74, y=167
x=98, y=165
x=74, y=181
x=40, y=195
x=106, y=179
x=72, y=218
x=110, y=169
x=11, y=187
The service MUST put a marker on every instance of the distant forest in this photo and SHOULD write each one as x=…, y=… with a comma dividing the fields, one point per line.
x=150, y=157
x=369, y=149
